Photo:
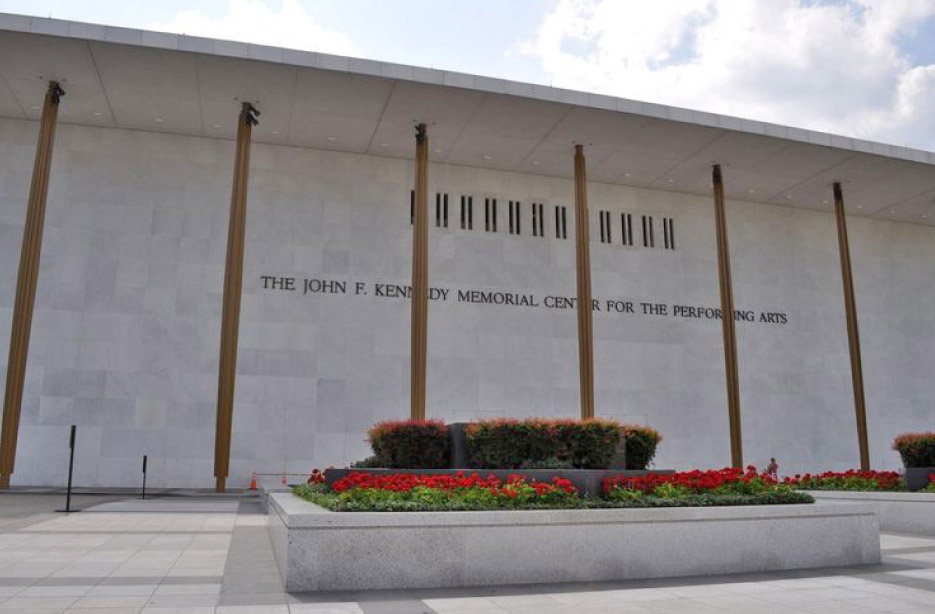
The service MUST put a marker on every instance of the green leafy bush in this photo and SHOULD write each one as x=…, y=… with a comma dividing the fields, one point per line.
x=508, y=443
x=852, y=479
x=641, y=443
x=777, y=497
x=916, y=449
x=437, y=500
x=410, y=444
x=700, y=488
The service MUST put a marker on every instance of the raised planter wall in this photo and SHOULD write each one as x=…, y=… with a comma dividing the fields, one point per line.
x=917, y=478
x=902, y=512
x=319, y=550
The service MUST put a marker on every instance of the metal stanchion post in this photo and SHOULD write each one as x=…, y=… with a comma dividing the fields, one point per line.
x=71, y=468
x=144, y=477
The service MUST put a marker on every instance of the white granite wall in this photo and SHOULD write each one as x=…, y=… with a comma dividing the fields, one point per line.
x=126, y=331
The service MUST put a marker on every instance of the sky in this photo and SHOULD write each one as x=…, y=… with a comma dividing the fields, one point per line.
x=863, y=68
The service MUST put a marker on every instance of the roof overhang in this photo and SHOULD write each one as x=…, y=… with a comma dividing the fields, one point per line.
x=133, y=79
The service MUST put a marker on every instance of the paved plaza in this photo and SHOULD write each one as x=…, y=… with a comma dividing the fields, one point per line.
x=212, y=556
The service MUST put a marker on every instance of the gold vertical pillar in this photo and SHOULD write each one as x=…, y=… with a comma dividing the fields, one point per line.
x=420, y=277
x=853, y=335
x=233, y=284
x=583, y=276
x=26, y=281
x=727, y=320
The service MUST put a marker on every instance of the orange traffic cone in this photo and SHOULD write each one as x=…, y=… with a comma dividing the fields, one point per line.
x=253, y=482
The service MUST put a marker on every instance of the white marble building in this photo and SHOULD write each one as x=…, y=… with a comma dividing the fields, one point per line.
x=126, y=330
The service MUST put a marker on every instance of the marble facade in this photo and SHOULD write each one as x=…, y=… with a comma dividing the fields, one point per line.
x=126, y=329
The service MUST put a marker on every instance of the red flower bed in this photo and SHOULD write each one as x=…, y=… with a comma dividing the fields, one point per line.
x=695, y=481
x=409, y=492
x=848, y=480
x=405, y=482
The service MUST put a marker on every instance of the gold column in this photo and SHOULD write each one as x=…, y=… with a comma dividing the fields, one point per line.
x=853, y=335
x=233, y=284
x=727, y=320
x=420, y=277
x=26, y=281
x=583, y=276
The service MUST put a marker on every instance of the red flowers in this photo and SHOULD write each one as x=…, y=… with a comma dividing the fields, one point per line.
x=695, y=481
x=317, y=477
x=406, y=482
x=848, y=480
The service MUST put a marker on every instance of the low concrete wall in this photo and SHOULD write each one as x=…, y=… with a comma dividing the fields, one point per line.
x=321, y=550
x=904, y=512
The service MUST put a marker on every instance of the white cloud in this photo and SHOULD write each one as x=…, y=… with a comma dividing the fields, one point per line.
x=253, y=21
x=834, y=67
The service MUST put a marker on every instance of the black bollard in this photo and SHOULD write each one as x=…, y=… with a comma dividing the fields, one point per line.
x=144, y=477
x=71, y=468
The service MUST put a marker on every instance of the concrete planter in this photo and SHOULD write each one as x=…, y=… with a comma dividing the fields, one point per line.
x=903, y=512
x=587, y=481
x=319, y=550
x=917, y=478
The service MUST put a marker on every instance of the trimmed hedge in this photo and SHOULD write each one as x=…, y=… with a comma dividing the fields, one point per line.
x=410, y=444
x=509, y=444
x=641, y=442
x=916, y=449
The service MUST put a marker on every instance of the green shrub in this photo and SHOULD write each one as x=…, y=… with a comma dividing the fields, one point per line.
x=410, y=444
x=851, y=479
x=429, y=499
x=777, y=497
x=641, y=442
x=916, y=449
x=508, y=444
